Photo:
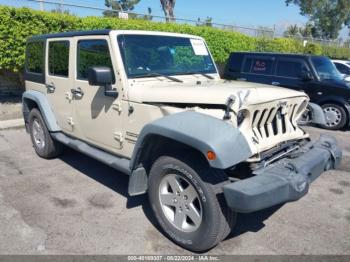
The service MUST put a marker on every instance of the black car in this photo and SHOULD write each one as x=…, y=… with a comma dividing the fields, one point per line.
x=315, y=75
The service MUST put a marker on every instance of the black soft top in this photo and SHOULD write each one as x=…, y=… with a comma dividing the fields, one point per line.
x=70, y=34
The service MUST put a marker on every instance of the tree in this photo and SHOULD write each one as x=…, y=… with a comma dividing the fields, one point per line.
x=168, y=8
x=327, y=16
x=307, y=30
x=119, y=5
x=292, y=31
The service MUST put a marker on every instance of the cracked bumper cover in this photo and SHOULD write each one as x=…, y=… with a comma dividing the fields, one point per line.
x=286, y=180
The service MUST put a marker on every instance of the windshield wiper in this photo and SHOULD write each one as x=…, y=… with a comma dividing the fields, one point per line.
x=203, y=74
x=158, y=74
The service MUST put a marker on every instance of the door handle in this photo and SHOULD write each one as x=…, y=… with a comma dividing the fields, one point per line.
x=275, y=83
x=78, y=92
x=50, y=88
x=241, y=79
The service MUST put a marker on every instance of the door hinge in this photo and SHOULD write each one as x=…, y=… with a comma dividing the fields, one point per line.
x=70, y=121
x=118, y=136
x=117, y=106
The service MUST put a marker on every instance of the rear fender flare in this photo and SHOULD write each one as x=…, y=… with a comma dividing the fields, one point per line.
x=43, y=104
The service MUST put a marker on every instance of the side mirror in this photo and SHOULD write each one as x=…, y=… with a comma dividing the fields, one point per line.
x=306, y=75
x=102, y=76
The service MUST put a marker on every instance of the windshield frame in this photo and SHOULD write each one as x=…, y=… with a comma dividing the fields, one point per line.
x=161, y=34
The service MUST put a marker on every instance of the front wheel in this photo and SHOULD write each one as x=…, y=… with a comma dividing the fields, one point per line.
x=186, y=198
x=336, y=117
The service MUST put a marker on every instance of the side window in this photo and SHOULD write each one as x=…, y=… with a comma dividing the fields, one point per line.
x=92, y=53
x=59, y=58
x=35, y=57
x=235, y=62
x=290, y=69
x=247, y=65
x=262, y=66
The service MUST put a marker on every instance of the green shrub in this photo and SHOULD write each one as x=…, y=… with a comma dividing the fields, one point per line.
x=17, y=24
x=336, y=52
x=314, y=49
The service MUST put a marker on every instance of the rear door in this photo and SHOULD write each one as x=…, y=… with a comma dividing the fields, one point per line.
x=258, y=69
x=288, y=73
x=58, y=80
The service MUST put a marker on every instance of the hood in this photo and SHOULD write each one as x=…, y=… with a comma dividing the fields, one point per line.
x=213, y=92
x=343, y=83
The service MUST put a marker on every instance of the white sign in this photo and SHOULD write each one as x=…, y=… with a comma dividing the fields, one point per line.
x=199, y=47
x=123, y=15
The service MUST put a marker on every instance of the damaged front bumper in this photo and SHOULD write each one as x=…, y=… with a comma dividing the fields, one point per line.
x=285, y=180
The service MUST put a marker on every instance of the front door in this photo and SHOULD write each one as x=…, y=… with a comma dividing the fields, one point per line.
x=289, y=74
x=97, y=117
x=59, y=80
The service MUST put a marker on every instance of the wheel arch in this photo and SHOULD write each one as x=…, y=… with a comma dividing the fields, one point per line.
x=338, y=101
x=34, y=99
x=190, y=131
x=198, y=131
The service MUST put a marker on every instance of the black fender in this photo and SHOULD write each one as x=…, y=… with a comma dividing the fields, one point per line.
x=317, y=115
x=42, y=102
x=335, y=99
x=201, y=132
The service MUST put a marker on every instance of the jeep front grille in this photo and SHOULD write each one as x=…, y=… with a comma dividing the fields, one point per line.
x=276, y=121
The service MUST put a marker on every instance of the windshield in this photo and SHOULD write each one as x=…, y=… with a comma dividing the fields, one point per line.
x=151, y=55
x=326, y=69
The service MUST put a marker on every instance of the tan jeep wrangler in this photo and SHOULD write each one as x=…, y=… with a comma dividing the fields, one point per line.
x=153, y=106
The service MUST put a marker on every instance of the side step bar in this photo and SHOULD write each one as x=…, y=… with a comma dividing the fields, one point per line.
x=120, y=164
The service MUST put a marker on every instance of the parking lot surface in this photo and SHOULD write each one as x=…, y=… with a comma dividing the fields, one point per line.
x=76, y=205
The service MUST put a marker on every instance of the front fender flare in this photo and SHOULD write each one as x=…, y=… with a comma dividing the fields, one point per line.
x=201, y=132
x=41, y=100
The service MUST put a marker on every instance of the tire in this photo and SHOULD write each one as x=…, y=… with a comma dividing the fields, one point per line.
x=336, y=116
x=43, y=144
x=214, y=220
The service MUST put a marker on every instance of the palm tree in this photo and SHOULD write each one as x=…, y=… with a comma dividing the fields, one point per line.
x=168, y=8
x=292, y=31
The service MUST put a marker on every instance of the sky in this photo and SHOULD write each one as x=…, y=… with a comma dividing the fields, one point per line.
x=250, y=13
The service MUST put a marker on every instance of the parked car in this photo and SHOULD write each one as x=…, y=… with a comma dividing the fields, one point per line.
x=315, y=75
x=152, y=105
x=343, y=67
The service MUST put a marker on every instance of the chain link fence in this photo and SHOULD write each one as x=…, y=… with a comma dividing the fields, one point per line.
x=89, y=8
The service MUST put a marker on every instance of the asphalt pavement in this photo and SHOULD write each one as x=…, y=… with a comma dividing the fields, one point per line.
x=76, y=205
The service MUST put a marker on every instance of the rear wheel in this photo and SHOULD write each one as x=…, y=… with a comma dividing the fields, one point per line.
x=186, y=198
x=336, y=117
x=43, y=144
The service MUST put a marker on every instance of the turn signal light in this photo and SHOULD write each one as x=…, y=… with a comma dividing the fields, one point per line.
x=211, y=155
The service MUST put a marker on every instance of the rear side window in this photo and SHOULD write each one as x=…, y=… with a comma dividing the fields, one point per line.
x=262, y=66
x=291, y=69
x=59, y=58
x=247, y=65
x=35, y=57
x=235, y=62
x=92, y=53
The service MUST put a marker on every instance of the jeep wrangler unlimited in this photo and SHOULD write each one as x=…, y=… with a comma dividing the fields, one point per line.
x=152, y=105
